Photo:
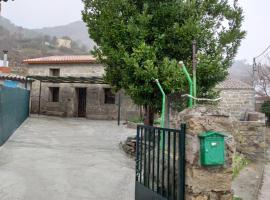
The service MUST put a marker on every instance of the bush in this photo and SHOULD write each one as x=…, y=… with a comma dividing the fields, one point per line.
x=266, y=109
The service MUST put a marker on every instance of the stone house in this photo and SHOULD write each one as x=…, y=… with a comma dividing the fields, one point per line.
x=66, y=43
x=237, y=97
x=72, y=86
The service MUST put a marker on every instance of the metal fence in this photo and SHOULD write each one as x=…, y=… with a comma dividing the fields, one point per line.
x=160, y=163
x=14, y=109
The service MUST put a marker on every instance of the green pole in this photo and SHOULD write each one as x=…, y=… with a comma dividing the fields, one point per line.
x=162, y=112
x=163, y=104
x=190, y=102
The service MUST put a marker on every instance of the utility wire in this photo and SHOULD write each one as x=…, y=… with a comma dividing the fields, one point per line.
x=263, y=52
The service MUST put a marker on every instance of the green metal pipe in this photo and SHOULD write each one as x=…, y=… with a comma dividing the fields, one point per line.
x=190, y=101
x=163, y=104
x=195, y=88
x=162, y=112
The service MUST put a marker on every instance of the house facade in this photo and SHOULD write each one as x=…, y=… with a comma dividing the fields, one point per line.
x=237, y=97
x=72, y=86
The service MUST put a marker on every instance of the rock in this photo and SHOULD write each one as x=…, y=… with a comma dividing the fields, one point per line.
x=226, y=196
x=207, y=180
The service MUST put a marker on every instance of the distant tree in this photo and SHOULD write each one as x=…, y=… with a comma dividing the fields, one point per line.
x=139, y=41
x=66, y=38
x=84, y=48
x=47, y=38
x=54, y=41
x=266, y=109
x=263, y=79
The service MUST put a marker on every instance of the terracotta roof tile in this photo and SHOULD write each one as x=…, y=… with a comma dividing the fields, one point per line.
x=230, y=83
x=62, y=60
x=5, y=69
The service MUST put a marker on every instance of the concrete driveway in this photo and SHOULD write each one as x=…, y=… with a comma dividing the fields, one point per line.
x=52, y=158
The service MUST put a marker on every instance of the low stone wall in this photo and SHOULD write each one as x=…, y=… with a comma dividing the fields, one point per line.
x=250, y=139
x=237, y=101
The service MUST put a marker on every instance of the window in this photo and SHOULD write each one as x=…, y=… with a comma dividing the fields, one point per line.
x=54, y=94
x=109, y=96
x=54, y=72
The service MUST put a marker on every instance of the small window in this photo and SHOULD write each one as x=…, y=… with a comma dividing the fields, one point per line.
x=54, y=94
x=54, y=72
x=109, y=96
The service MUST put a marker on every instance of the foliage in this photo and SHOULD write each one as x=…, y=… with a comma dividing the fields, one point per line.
x=266, y=109
x=139, y=41
x=137, y=120
x=239, y=163
x=237, y=198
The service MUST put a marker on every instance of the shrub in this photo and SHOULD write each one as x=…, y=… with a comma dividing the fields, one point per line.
x=266, y=109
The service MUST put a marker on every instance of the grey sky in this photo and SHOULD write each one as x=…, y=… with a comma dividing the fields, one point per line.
x=43, y=13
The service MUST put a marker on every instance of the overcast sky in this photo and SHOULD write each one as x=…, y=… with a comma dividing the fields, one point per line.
x=44, y=13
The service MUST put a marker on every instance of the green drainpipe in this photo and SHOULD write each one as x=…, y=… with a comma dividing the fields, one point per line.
x=190, y=101
x=162, y=112
x=163, y=104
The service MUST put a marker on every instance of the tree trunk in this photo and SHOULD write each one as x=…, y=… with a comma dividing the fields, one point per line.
x=149, y=116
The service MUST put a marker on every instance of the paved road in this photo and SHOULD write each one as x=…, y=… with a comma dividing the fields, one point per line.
x=265, y=191
x=66, y=159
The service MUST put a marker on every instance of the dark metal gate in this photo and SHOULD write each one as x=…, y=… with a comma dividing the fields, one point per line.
x=14, y=109
x=160, y=163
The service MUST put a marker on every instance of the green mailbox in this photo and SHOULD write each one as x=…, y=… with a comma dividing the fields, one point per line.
x=212, y=148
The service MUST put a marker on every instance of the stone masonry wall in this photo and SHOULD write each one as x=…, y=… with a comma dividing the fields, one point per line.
x=237, y=101
x=77, y=70
x=250, y=138
x=67, y=105
x=206, y=183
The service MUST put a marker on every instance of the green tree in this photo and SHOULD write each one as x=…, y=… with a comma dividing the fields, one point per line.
x=141, y=40
x=266, y=110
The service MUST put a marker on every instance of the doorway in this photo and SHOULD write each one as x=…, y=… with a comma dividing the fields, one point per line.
x=81, y=99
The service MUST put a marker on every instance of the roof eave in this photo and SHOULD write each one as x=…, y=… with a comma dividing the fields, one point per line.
x=59, y=62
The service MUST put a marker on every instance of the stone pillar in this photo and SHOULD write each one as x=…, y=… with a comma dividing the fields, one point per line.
x=206, y=183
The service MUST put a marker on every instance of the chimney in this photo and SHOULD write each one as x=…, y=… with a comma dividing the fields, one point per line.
x=5, y=63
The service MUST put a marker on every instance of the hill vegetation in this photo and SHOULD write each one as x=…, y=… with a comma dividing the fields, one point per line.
x=76, y=31
x=25, y=43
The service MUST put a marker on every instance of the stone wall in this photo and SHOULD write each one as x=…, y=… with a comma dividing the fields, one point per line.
x=250, y=138
x=206, y=183
x=77, y=70
x=67, y=105
x=237, y=101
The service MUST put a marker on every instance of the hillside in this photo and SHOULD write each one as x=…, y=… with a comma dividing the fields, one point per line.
x=12, y=28
x=76, y=31
x=25, y=43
